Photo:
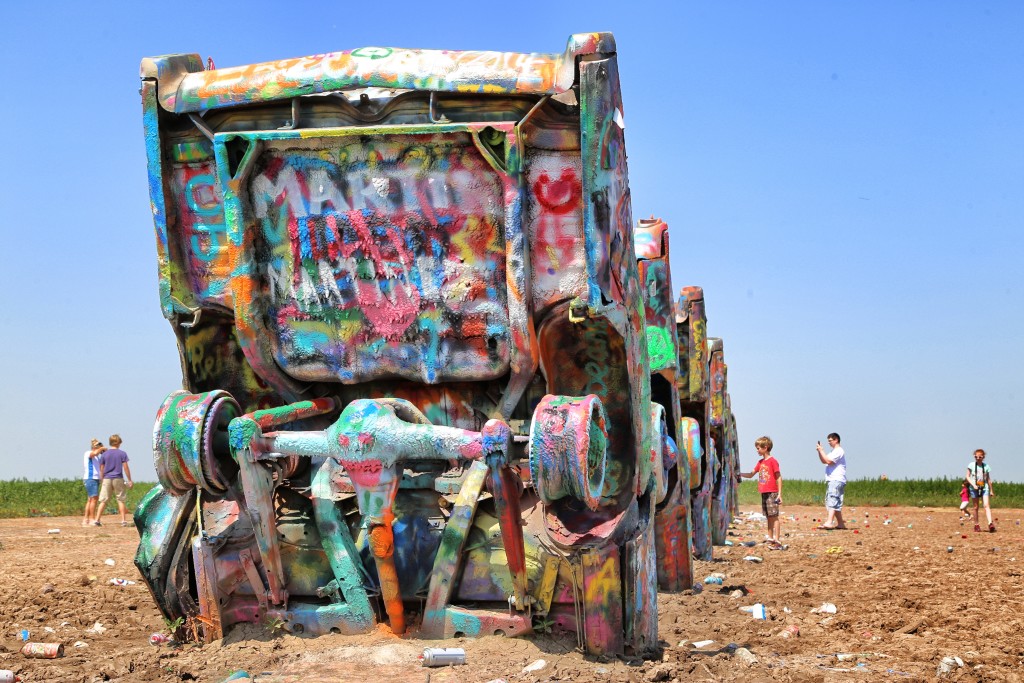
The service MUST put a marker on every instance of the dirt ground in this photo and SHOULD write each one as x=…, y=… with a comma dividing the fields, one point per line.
x=907, y=593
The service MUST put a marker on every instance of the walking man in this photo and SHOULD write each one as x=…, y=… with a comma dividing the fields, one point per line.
x=835, y=481
x=115, y=476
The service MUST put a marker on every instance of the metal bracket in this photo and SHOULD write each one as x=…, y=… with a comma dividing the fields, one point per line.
x=203, y=127
x=294, y=123
x=434, y=118
x=255, y=579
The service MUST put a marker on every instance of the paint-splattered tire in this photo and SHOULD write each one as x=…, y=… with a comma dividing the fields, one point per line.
x=663, y=455
x=700, y=486
x=569, y=449
x=190, y=447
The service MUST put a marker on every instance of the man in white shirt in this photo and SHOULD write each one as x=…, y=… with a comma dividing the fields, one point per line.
x=835, y=481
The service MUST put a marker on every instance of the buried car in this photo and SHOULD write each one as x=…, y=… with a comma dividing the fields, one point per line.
x=416, y=386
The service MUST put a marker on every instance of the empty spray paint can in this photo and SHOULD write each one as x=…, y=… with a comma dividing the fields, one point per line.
x=791, y=631
x=43, y=650
x=7, y=676
x=443, y=656
x=159, y=639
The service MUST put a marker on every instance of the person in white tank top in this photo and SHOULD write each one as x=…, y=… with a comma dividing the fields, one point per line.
x=91, y=479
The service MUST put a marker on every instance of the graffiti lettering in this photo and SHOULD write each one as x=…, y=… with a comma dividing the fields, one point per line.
x=201, y=217
x=203, y=357
x=398, y=241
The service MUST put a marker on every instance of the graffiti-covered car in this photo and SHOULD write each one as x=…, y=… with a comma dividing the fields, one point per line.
x=689, y=394
x=416, y=386
x=670, y=428
x=707, y=412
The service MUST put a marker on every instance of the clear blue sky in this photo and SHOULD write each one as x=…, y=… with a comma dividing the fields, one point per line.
x=844, y=180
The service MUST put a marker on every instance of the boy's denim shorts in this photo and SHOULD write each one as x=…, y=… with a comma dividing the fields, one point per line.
x=92, y=487
x=834, y=495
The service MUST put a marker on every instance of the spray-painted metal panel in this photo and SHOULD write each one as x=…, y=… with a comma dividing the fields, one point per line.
x=186, y=87
x=383, y=254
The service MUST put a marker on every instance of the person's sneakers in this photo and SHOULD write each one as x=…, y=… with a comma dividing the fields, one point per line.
x=124, y=523
x=97, y=523
x=991, y=528
x=977, y=528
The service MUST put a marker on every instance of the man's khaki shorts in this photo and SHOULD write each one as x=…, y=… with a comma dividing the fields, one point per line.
x=119, y=491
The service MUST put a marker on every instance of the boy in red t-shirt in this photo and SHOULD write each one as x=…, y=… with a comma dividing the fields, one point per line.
x=769, y=485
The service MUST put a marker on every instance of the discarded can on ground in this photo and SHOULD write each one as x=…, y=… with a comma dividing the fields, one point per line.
x=7, y=676
x=791, y=631
x=443, y=656
x=159, y=639
x=24, y=635
x=759, y=612
x=43, y=650
x=697, y=588
x=717, y=580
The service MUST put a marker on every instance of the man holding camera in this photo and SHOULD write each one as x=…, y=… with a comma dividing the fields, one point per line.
x=835, y=481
